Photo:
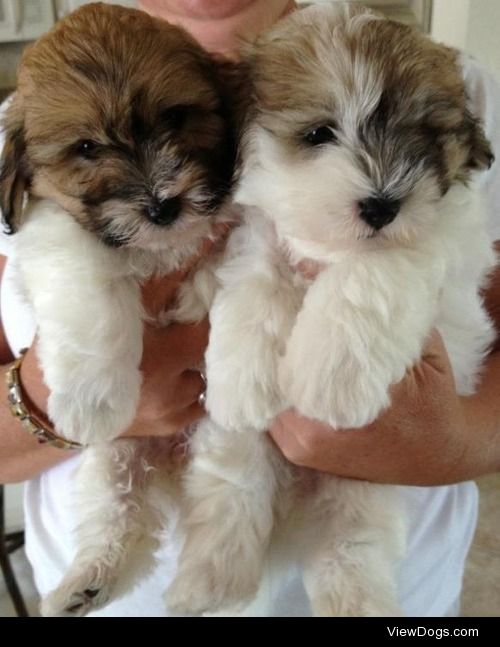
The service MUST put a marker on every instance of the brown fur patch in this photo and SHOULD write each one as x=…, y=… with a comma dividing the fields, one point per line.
x=143, y=91
x=314, y=68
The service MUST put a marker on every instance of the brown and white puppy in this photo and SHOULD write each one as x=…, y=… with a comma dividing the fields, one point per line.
x=120, y=135
x=361, y=158
x=118, y=117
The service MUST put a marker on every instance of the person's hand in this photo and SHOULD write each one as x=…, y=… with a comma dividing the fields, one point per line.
x=420, y=440
x=220, y=26
x=171, y=382
x=171, y=385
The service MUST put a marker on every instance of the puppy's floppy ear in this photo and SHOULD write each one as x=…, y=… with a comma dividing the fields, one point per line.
x=234, y=83
x=235, y=87
x=481, y=155
x=14, y=175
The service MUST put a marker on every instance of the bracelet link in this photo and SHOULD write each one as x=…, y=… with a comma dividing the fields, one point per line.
x=27, y=419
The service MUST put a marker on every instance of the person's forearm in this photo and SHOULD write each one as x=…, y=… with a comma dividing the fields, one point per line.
x=21, y=456
x=482, y=411
x=482, y=415
x=429, y=435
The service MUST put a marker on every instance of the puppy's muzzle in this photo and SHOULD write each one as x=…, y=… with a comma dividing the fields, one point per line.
x=165, y=212
x=379, y=212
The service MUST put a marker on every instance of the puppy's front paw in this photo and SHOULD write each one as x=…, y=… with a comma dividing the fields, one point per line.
x=326, y=376
x=91, y=421
x=80, y=592
x=244, y=395
x=213, y=583
x=329, y=605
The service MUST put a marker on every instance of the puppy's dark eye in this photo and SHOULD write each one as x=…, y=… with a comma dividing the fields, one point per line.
x=320, y=135
x=87, y=149
x=175, y=117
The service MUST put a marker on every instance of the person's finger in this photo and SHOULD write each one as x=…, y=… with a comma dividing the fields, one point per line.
x=219, y=234
x=181, y=445
x=189, y=342
x=178, y=347
x=308, y=443
x=167, y=427
x=284, y=433
x=309, y=269
x=190, y=386
x=279, y=434
x=189, y=415
x=435, y=353
x=434, y=363
x=158, y=292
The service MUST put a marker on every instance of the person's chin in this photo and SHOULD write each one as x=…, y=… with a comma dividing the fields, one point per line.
x=203, y=9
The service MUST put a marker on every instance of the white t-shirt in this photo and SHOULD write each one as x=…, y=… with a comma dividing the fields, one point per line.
x=442, y=519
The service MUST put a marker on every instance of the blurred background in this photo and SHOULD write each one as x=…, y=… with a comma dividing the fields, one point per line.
x=470, y=25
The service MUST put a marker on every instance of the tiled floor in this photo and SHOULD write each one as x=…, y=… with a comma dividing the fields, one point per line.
x=4, y=93
x=25, y=579
x=482, y=580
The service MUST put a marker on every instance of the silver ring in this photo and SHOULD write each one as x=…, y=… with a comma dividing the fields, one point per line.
x=202, y=398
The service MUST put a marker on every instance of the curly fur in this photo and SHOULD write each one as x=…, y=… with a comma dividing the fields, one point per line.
x=120, y=133
x=360, y=156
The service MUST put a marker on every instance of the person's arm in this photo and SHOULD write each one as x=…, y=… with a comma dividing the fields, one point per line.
x=429, y=435
x=169, y=396
x=21, y=456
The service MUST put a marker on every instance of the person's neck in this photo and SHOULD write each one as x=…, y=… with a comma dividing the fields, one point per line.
x=225, y=35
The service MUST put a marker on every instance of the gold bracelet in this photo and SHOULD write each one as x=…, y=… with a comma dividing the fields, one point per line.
x=29, y=420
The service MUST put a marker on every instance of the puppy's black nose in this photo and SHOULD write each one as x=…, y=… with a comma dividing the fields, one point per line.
x=379, y=212
x=165, y=212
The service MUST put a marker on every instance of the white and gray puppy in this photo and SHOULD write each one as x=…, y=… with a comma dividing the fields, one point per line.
x=120, y=135
x=360, y=157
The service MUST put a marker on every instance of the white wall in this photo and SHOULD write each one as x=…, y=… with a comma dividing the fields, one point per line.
x=471, y=25
x=483, y=38
x=66, y=6
x=14, y=507
x=449, y=21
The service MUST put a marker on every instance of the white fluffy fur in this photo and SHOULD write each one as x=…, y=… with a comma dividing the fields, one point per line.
x=87, y=305
x=331, y=348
